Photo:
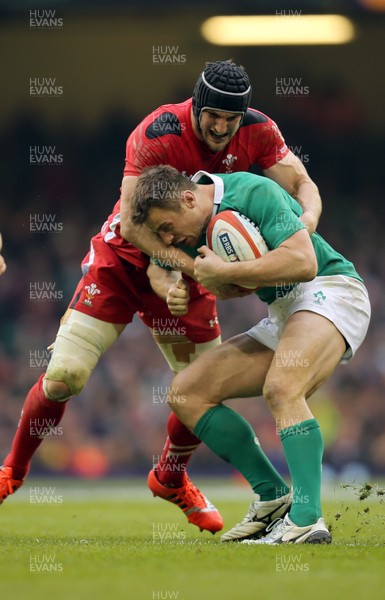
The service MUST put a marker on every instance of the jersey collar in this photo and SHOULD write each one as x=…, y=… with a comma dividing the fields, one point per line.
x=219, y=188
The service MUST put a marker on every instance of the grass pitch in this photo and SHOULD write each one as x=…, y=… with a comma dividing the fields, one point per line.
x=58, y=544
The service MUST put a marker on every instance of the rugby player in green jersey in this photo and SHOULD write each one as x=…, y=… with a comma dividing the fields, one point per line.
x=318, y=310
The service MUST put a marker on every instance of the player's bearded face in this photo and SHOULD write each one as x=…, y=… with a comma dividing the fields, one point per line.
x=218, y=127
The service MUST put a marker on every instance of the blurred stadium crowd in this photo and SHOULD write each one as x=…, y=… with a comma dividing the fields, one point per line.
x=117, y=424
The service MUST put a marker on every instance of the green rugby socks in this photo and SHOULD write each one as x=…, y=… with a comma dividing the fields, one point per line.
x=232, y=438
x=303, y=447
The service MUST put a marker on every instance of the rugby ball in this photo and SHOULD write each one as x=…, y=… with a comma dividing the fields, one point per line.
x=234, y=237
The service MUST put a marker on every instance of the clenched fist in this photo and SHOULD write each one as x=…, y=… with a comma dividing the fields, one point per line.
x=178, y=297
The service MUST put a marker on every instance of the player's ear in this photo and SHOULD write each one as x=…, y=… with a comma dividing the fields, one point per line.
x=188, y=198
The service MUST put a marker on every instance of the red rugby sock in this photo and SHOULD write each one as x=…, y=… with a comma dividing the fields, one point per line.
x=180, y=446
x=38, y=418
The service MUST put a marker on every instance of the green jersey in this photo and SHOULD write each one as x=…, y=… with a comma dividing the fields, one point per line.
x=276, y=214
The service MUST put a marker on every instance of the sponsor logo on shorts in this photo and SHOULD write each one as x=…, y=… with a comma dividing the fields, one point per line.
x=319, y=297
x=91, y=291
x=214, y=322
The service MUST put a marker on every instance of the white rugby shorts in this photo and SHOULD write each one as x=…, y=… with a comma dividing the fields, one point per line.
x=341, y=299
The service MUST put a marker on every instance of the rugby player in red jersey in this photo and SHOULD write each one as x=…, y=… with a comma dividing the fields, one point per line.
x=214, y=130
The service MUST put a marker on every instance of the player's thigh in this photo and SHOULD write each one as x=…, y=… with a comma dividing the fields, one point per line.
x=237, y=368
x=88, y=332
x=309, y=350
x=183, y=339
x=180, y=351
x=80, y=341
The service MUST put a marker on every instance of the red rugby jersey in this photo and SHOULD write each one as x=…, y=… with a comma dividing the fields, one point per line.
x=166, y=136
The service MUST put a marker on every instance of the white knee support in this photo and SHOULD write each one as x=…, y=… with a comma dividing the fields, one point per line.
x=181, y=353
x=80, y=342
